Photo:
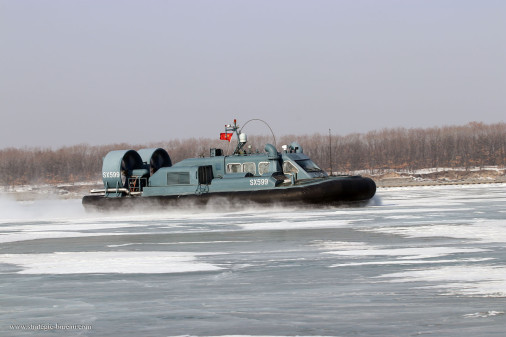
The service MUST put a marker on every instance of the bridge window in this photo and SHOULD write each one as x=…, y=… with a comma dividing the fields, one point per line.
x=289, y=168
x=176, y=178
x=234, y=168
x=263, y=167
x=249, y=167
x=308, y=165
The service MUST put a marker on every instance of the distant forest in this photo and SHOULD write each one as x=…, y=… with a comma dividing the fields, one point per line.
x=471, y=145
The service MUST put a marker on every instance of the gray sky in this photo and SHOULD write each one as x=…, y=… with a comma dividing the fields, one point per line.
x=102, y=72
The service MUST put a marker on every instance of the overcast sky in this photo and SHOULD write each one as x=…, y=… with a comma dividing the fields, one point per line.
x=102, y=72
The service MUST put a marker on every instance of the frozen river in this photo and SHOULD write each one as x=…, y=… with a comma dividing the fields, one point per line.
x=418, y=261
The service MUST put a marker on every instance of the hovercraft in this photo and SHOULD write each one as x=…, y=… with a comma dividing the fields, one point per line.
x=147, y=178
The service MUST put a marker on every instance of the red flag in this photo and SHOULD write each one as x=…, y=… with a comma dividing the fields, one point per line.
x=226, y=136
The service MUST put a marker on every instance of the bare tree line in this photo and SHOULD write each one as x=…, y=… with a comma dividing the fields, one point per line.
x=471, y=145
x=474, y=144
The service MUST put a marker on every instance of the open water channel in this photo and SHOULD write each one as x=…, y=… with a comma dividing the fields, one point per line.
x=417, y=261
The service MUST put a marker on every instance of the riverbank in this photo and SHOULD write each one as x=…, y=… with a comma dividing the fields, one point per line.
x=439, y=176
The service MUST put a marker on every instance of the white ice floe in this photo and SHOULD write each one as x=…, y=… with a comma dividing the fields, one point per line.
x=22, y=236
x=14, y=233
x=178, y=243
x=70, y=226
x=257, y=336
x=395, y=256
x=463, y=280
x=408, y=262
x=484, y=314
x=281, y=225
x=409, y=253
x=340, y=245
x=481, y=230
x=361, y=249
x=149, y=262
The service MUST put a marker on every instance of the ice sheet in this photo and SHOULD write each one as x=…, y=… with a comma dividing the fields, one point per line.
x=483, y=230
x=376, y=270
x=361, y=249
x=470, y=280
x=146, y=262
x=280, y=225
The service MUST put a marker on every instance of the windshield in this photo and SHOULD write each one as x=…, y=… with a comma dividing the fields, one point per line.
x=308, y=165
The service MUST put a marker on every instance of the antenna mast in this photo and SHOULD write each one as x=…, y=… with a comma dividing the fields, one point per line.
x=241, y=138
x=330, y=153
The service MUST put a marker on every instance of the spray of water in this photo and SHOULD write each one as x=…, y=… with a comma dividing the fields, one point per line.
x=58, y=209
x=375, y=201
x=40, y=209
